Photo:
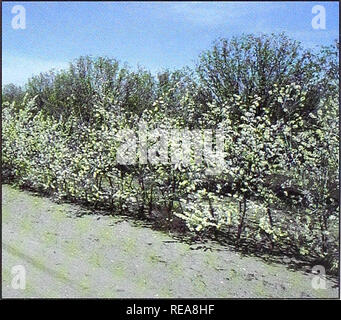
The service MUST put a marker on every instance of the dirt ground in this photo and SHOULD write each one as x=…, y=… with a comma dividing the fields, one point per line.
x=66, y=254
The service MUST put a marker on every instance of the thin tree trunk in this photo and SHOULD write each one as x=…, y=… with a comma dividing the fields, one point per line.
x=271, y=225
x=243, y=214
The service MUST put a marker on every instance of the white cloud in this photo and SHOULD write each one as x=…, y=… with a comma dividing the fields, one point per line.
x=18, y=69
x=215, y=14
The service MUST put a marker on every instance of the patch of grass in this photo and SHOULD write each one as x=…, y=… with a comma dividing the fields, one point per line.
x=176, y=268
x=58, y=214
x=85, y=285
x=198, y=283
x=5, y=214
x=211, y=260
x=141, y=283
x=37, y=203
x=71, y=248
x=129, y=245
x=26, y=225
x=260, y=290
x=232, y=274
x=96, y=259
x=153, y=258
x=166, y=292
x=49, y=238
x=108, y=293
x=107, y=235
x=83, y=225
x=119, y=270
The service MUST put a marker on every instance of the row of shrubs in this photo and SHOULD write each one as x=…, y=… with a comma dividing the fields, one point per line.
x=275, y=103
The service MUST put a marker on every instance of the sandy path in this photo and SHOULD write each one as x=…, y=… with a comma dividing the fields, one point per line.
x=65, y=255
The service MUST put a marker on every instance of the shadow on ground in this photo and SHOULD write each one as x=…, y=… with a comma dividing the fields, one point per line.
x=209, y=241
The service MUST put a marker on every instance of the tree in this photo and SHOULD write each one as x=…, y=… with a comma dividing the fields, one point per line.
x=254, y=65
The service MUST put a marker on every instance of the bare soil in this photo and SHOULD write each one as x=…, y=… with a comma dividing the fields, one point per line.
x=68, y=254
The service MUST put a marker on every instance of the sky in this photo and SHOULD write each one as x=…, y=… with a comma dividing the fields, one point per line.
x=155, y=35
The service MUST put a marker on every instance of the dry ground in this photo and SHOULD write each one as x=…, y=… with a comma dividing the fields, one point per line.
x=68, y=255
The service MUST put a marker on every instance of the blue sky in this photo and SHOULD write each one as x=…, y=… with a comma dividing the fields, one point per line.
x=154, y=35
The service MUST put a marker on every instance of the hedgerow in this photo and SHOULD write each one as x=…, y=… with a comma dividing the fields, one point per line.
x=275, y=183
